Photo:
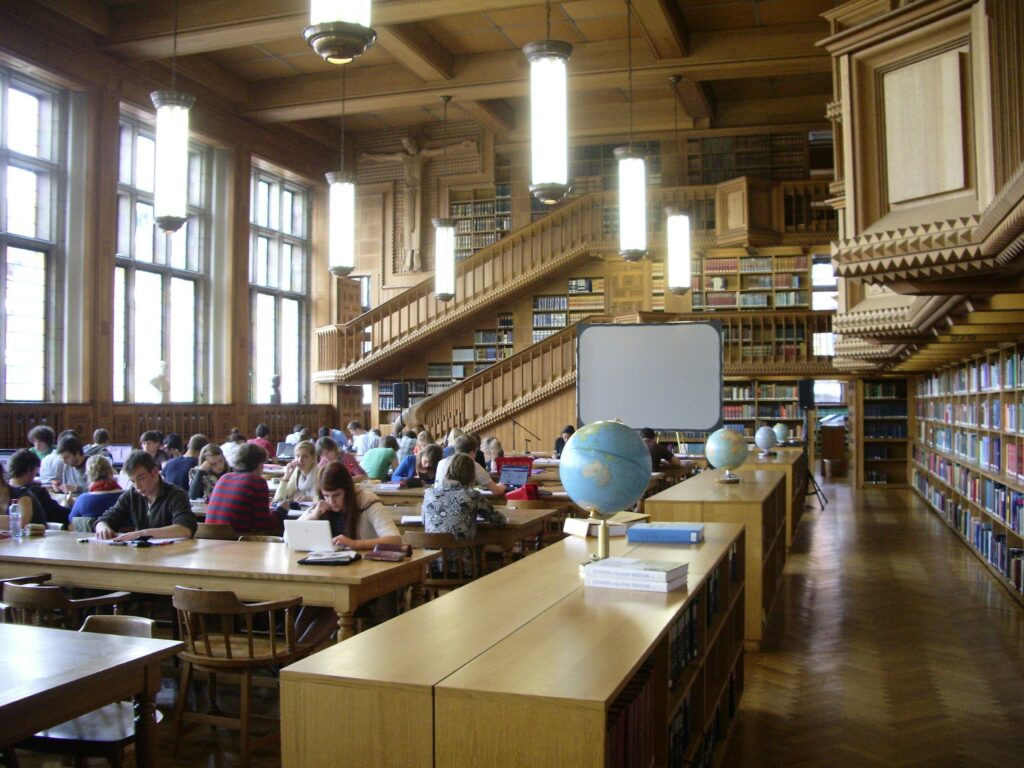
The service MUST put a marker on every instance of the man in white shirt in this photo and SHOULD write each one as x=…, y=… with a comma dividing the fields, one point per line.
x=361, y=440
x=467, y=445
x=296, y=436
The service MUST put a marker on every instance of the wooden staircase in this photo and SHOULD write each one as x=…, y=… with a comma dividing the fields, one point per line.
x=367, y=345
x=542, y=370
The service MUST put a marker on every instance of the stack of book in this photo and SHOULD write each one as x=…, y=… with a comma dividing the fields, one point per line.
x=635, y=573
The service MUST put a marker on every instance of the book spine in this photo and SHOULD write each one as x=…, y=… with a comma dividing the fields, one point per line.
x=609, y=583
x=598, y=571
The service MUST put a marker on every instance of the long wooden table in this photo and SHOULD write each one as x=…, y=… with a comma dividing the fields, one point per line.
x=758, y=501
x=519, y=525
x=521, y=667
x=252, y=570
x=52, y=675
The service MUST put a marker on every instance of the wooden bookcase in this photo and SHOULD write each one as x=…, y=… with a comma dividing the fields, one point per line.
x=761, y=282
x=882, y=431
x=417, y=389
x=714, y=159
x=967, y=457
x=529, y=667
x=585, y=297
x=550, y=315
x=758, y=502
x=477, y=222
x=493, y=344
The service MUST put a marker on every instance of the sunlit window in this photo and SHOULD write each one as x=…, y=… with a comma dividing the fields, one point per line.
x=28, y=178
x=278, y=274
x=823, y=279
x=161, y=279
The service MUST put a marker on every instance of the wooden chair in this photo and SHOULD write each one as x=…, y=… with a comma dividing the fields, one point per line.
x=449, y=571
x=218, y=531
x=221, y=635
x=261, y=537
x=48, y=606
x=104, y=732
x=38, y=578
x=552, y=526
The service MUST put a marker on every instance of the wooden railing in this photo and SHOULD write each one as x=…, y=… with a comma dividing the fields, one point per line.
x=803, y=207
x=754, y=344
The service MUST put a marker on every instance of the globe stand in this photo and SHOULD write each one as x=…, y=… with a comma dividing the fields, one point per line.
x=602, y=537
x=729, y=477
x=767, y=454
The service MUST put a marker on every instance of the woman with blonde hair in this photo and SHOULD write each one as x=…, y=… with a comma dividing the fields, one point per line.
x=449, y=443
x=102, y=494
x=301, y=480
x=492, y=452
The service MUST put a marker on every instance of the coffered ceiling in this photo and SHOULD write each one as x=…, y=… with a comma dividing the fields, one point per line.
x=743, y=62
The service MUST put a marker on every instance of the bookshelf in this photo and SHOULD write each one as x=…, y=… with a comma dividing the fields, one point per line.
x=779, y=156
x=968, y=457
x=477, y=221
x=550, y=315
x=585, y=297
x=882, y=431
x=417, y=389
x=493, y=344
x=752, y=282
x=671, y=685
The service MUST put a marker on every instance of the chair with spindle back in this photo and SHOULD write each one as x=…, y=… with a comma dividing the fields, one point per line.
x=47, y=605
x=222, y=634
x=458, y=564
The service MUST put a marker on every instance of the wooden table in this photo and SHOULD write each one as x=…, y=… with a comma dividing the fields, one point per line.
x=52, y=675
x=758, y=501
x=520, y=525
x=252, y=570
x=793, y=462
x=520, y=667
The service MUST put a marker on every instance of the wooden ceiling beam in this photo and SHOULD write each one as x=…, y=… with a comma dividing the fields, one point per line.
x=987, y=317
x=145, y=30
x=93, y=16
x=479, y=77
x=417, y=51
x=696, y=101
x=663, y=26
x=498, y=115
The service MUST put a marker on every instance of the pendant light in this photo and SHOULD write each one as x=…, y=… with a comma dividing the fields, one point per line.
x=677, y=224
x=339, y=30
x=632, y=175
x=341, y=252
x=170, y=193
x=444, y=235
x=549, y=128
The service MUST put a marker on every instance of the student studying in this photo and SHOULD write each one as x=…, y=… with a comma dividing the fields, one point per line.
x=151, y=507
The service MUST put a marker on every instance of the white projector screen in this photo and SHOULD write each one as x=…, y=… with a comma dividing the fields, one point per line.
x=667, y=377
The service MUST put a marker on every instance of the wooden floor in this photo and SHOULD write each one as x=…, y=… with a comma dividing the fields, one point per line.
x=889, y=645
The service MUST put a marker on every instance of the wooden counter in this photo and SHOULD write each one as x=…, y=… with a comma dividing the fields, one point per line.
x=523, y=667
x=758, y=502
x=792, y=461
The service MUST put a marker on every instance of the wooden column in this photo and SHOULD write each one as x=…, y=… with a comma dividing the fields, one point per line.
x=241, y=327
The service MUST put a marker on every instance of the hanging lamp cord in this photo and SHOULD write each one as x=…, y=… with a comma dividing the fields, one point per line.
x=629, y=64
x=343, y=79
x=174, y=50
x=549, y=20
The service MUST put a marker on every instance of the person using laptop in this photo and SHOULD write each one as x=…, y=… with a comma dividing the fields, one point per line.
x=467, y=445
x=358, y=519
x=301, y=481
x=151, y=507
x=241, y=498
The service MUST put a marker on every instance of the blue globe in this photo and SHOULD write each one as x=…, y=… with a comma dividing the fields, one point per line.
x=726, y=449
x=605, y=467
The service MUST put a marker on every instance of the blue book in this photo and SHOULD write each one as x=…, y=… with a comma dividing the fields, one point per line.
x=671, y=533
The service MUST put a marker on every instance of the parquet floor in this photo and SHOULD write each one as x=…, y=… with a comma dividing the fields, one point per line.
x=890, y=645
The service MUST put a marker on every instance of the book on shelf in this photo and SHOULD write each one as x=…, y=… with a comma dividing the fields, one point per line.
x=636, y=569
x=612, y=582
x=671, y=533
x=617, y=524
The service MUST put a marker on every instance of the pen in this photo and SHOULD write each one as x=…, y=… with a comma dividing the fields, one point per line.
x=82, y=541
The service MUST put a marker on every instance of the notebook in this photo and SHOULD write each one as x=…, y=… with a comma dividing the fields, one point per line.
x=514, y=475
x=285, y=451
x=308, y=535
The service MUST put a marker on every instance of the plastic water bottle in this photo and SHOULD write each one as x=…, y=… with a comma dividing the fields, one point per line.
x=15, y=521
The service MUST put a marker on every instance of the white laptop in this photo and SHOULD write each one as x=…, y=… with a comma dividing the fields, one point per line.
x=308, y=535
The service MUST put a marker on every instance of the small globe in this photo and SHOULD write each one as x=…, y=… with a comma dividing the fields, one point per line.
x=765, y=439
x=781, y=432
x=726, y=449
x=605, y=467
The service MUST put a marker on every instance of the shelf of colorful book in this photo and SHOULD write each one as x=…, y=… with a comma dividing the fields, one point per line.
x=995, y=541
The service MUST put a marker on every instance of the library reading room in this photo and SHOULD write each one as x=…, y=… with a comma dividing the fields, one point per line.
x=652, y=369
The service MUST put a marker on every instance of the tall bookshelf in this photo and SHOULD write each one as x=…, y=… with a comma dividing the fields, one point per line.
x=779, y=156
x=752, y=282
x=477, y=221
x=968, y=457
x=416, y=388
x=882, y=431
x=493, y=344
x=585, y=298
x=550, y=315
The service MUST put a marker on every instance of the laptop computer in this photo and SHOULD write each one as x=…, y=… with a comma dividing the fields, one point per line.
x=119, y=453
x=285, y=451
x=514, y=475
x=308, y=535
